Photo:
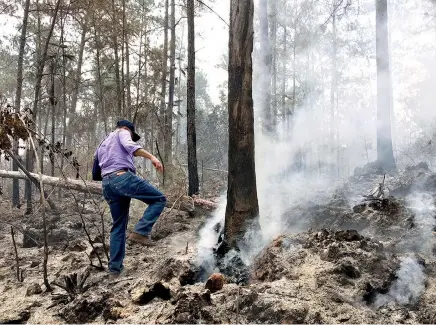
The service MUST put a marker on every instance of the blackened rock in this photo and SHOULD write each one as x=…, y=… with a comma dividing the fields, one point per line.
x=234, y=269
x=157, y=290
x=33, y=289
x=14, y=317
x=84, y=309
x=348, y=235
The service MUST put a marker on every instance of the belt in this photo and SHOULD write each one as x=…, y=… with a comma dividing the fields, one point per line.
x=117, y=172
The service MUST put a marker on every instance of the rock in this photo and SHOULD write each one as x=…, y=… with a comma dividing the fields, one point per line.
x=35, y=237
x=157, y=290
x=33, y=289
x=74, y=225
x=112, y=310
x=215, y=282
x=78, y=247
x=84, y=309
x=190, y=308
x=14, y=317
x=35, y=264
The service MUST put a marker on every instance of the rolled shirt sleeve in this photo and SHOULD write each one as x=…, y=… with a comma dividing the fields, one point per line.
x=127, y=142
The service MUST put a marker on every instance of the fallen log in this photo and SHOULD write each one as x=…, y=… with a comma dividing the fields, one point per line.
x=183, y=203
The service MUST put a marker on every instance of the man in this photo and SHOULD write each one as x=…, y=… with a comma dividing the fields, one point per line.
x=120, y=184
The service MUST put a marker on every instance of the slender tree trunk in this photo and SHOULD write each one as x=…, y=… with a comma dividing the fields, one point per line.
x=169, y=114
x=284, y=75
x=119, y=96
x=164, y=79
x=100, y=83
x=265, y=73
x=53, y=101
x=15, y=183
x=242, y=205
x=333, y=94
x=385, y=154
x=35, y=108
x=77, y=78
x=192, y=136
x=128, y=96
x=274, y=62
x=294, y=75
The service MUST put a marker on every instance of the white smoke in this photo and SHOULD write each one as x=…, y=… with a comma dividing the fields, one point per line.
x=208, y=238
x=422, y=204
x=408, y=286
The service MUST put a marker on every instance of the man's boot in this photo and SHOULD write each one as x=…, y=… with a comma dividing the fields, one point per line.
x=143, y=240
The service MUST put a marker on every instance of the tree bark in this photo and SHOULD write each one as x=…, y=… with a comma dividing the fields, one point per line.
x=274, y=62
x=39, y=73
x=333, y=94
x=191, y=130
x=15, y=184
x=169, y=114
x=265, y=73
x=164, y=80
x=242, y=205
x=385, y=154
x=119, y=96
x=178, y=203
x=77, y=79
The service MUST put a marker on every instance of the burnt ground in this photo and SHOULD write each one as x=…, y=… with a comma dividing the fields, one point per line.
x=353, y=261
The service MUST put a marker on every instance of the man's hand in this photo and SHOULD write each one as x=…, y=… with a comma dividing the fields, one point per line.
x=157, y=164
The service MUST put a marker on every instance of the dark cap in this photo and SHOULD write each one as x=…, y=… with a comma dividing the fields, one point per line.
x=131, y=127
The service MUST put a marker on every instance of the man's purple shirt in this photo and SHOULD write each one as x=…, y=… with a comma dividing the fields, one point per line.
x=116, y=152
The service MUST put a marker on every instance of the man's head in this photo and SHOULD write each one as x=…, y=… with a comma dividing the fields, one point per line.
x=129, y=125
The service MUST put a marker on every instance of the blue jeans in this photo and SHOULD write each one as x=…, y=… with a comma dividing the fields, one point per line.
x=118, y=190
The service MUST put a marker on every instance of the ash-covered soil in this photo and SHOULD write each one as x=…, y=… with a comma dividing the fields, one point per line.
x=345, y=260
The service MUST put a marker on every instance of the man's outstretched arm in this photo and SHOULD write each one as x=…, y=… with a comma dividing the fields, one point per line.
x=145, y=154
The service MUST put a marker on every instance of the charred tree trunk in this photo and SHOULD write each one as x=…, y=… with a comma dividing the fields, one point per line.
x=385, y=154
x=169, y=114
x=265, y=73
x=15, y=183
x=53, y=102
x=192, y=136
x=242, y=205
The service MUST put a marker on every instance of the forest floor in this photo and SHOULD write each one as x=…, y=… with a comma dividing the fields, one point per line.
x=355, y=261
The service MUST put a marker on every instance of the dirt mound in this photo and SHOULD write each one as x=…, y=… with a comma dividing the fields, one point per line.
x=334, y=258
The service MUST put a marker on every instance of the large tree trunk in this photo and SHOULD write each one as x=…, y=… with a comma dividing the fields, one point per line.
x=15, y=184
x=192, y=135
x=385, y=154
x=265, y=70
x=242, y=206
x=168, y=153
x=180, y=203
